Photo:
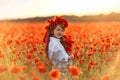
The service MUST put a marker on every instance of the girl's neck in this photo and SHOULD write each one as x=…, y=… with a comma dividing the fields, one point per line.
x=55, y=37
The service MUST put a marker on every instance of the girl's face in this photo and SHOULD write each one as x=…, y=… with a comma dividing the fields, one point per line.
x=58, y=31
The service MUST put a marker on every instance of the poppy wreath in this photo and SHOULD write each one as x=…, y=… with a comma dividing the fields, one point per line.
x=55, y=21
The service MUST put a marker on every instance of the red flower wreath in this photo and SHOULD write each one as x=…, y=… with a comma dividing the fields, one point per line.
x=55, y=21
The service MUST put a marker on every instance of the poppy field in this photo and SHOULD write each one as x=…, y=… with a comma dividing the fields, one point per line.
x=95, y=46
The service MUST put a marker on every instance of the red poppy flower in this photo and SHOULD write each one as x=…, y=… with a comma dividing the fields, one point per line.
x=3, y=68
x=74, y=71
x=16, y=69
x=105, y=77
x=54, y=74
x=42, y=69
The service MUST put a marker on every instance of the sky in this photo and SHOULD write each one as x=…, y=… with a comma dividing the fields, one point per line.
x=13, y=9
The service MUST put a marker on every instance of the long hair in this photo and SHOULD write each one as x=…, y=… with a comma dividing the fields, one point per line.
x=50, y=28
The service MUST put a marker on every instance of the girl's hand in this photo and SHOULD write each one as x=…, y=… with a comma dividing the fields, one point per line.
x=71, y=56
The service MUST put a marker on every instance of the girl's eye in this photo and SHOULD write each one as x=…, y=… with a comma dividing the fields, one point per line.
x=60, y=30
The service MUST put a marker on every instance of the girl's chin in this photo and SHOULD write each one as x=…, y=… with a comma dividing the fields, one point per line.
x=59, y=37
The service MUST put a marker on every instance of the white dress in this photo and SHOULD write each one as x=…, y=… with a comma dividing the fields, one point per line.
x=57, y=54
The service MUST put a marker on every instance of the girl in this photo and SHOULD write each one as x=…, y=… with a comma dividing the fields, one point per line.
x=55, y=50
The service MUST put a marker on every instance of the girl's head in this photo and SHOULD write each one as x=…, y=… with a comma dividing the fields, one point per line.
x=55, y=28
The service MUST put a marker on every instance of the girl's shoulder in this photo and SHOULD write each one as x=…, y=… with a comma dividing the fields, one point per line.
x=52, y=43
